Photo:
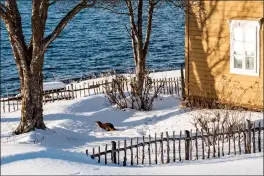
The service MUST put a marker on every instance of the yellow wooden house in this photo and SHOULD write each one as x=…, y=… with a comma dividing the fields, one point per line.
x=224, y=51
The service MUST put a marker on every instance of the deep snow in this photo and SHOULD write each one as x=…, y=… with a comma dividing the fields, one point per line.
x=71, y=130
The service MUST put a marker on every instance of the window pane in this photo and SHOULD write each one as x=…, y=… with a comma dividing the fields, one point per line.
x=250, y=49
x=237, y=62
x=238, y=48
x=238, y=34
x=250, y=34
x=250, y=63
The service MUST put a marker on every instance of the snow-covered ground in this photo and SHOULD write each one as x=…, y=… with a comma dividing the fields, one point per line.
x=71, y=130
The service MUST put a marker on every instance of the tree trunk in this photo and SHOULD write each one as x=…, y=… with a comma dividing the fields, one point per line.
x=30, y=58
x=32, y=93
x=140, y=75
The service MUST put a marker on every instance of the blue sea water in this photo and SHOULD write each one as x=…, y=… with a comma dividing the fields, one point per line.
x=96, y=41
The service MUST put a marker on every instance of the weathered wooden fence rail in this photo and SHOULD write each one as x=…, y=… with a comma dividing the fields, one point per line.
x=191, y=146
x=171, y=86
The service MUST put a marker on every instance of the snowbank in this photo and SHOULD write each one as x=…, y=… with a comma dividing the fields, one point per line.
x=49, y=162
x=71, y=130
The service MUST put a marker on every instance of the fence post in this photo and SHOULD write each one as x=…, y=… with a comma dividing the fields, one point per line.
x=53, y=99
x=259, y=140
x=118, y=143
x=17, y=103
x=98, y=87
x=143, y=150
x=84, y=89
x=168, y=148
x=154, y=86
x=213, y=132
x=174, y=157
x=113, y=154
x=191, y=145
x=64, y=92
x=99, y=157
x=248, y=136
x=131, y=152
x=161, y=148
x=239, y=143
x=187, y=145
x=223, y=140
x=8, y=103
x=94, y=88
x=182, y=84
x=171, y=87
x=196, y=144
x=218, y=143
x=137, y=150
x=72, y=91
x=254, y=144
x=245, y=139
x=105, y=154
x=80, y=89
x=208, y=139
x=13, y=105
x=86, y=152
x=93, y=153
x=75, y=90
x=3, y=105
x=149, y=149
x=165, y=84
x=175, y=85
x=125, y=150
x=234, y=140
x=202, y=143
x=229, y=143
x=156, y=155
x=180, y=146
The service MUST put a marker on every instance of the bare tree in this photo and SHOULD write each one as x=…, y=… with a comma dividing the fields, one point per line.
x=140, y=44
x=136, y=11
x=29, y=57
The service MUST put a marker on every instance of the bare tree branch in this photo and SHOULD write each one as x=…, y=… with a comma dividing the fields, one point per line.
x=140, y=23
x=4, y=12
x=149, y=27
x=53, y=2
x=15, y=31
x=112, y=10
x=132, y=18
x=82, y=5
x=134, y=35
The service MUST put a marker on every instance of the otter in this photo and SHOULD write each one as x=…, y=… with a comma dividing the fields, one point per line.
x=106, y=126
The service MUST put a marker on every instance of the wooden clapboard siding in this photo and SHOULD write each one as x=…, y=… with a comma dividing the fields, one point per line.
x=214, y=78
x=207, y=48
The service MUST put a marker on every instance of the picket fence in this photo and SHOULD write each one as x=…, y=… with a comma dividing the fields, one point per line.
x=73, y=91
x=187, y=146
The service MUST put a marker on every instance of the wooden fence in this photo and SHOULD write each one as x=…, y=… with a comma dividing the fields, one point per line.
x=72, y=91
x=187, y=146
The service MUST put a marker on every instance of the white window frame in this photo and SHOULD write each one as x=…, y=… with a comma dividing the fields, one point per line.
x=243, y=71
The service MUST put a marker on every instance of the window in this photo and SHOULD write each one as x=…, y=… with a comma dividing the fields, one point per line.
x=244, y=47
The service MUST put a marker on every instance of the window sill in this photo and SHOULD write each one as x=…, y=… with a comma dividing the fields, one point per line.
x=243, y=72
